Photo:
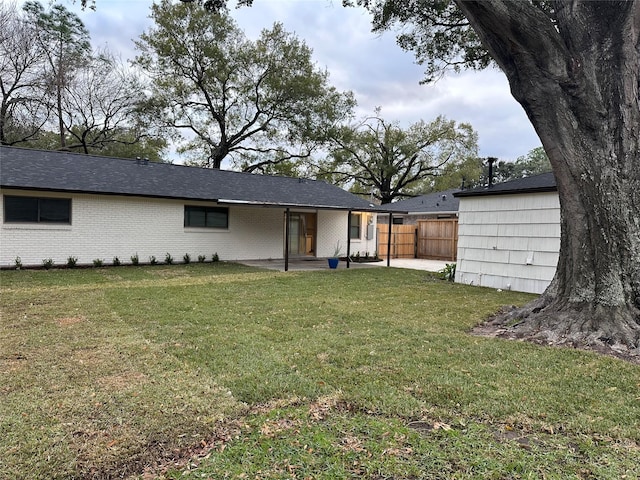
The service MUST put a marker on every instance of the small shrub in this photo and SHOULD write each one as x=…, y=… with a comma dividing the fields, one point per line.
x=116, y=262
x=98, y=262
x=202, y=258
x=135, y=259
x=47, y=263
x=153, y=260
x=187, y=258
x=448, y=272
x=215, y=257
x=18, y=263
x=72, y=261
x=168, y=259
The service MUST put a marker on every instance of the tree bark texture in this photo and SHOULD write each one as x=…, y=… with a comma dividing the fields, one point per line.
x=578, y=82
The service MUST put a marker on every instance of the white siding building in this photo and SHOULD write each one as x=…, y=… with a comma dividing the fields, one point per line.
x=509, y=235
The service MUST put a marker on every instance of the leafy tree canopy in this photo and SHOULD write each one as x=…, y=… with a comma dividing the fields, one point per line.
x=380, y=157
x=129, y=144
x=259, y=103
x=66, y=44
x=471, y=172
x=465, y=172
x=50, y=79
x=533, y=163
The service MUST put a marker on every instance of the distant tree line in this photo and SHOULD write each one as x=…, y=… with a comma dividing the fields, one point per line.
x=59, y=93
x=221, y=99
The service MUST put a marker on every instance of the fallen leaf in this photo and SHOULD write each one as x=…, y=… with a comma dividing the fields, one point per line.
x=441, y=426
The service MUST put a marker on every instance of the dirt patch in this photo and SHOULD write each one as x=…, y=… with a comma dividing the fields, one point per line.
x=524, y=441
x=351, y=443
x=164, y=272
x=320, y=409
x=191, y=457
x=68, y=321
x=497, y=326
x=281, y=403
x=273, y=428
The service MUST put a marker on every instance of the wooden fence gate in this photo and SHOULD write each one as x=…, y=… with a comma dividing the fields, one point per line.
x=403, y=241
x=435, y=239
x=438, y=239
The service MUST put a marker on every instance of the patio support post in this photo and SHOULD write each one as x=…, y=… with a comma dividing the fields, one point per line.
x=287, y=213
x=348, y=238
x=389, y=240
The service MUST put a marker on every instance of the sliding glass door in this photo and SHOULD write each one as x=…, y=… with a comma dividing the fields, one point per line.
x=302, y=234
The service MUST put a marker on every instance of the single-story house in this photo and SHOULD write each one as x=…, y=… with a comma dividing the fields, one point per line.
x=56, y=205
x=509, y=234
x=437, y=205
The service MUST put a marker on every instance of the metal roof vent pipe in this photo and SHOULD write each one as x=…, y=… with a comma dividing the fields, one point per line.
x=491, y=161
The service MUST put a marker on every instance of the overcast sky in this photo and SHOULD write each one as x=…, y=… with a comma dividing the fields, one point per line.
x=373, y=67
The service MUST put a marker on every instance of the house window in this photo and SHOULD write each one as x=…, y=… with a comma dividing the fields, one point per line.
x=37, y=210
x=206, y=217
x=398, y=220
x=356, y=226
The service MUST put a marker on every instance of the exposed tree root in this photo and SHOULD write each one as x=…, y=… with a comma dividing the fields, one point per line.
x=609, y=331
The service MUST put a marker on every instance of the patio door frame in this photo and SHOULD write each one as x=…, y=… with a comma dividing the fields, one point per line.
x=306, y=217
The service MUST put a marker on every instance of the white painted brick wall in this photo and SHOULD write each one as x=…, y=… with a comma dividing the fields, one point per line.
x=107, y=226
x=332, y=227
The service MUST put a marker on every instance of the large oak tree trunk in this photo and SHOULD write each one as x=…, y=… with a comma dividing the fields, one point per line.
x=578, y=82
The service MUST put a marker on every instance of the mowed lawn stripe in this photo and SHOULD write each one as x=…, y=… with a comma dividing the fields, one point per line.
x=112, y=370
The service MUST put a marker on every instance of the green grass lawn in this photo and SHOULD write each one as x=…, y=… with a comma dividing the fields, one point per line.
x=223, y=371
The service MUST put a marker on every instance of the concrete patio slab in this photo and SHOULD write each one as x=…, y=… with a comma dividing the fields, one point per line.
x=321, y=264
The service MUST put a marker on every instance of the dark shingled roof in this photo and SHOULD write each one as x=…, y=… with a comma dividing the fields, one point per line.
x=544, y=182
x=70, y=172
x=437, y=202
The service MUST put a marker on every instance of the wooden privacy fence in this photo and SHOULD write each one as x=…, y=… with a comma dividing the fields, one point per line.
x=403, y=240
x=438, y=239
x=435, y=239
